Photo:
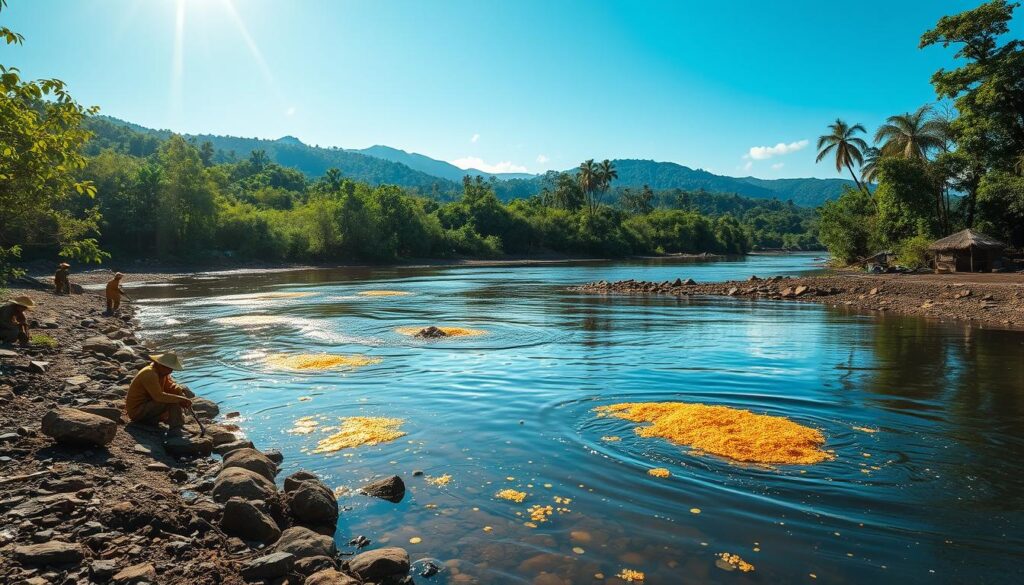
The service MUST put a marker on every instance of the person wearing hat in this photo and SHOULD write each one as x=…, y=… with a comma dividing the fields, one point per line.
x=13, y=324
x=114, y=292
x=154, y=396
x=61, y=282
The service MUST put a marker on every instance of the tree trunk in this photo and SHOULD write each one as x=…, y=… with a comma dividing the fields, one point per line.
x=855, y=180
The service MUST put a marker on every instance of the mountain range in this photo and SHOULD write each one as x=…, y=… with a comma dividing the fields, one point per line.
x=384, y=164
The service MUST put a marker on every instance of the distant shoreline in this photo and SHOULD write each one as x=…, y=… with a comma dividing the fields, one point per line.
x=146, y=272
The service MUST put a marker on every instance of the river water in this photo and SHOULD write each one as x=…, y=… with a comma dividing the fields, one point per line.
x=926, y=421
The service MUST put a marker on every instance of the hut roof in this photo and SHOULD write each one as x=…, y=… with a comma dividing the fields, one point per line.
x=965, y=240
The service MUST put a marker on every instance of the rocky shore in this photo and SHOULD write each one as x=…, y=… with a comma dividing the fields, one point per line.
x=990, y=300
x=86, y=497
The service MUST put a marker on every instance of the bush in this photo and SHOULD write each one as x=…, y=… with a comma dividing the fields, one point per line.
x=40, y=340
x=913, y=252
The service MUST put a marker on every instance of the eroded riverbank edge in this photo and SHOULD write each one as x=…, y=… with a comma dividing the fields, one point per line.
x=86, y=497
x=994, y=301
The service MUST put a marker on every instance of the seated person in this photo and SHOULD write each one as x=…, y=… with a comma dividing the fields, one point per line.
x=62, y=280
x=154, y=397
x=13, y=324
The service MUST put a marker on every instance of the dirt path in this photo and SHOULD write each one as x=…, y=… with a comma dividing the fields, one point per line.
x=990, y=300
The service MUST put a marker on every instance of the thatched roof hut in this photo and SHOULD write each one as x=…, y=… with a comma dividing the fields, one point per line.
x=967, y=251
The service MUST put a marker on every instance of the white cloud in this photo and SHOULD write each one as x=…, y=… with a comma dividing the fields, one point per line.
x=472, y=162
x=766, y=152
x=541, y=159
x=778, y=166
x=474, y=138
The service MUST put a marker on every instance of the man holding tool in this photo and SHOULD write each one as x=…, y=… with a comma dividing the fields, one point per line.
x=114, y=293
x=154, y=397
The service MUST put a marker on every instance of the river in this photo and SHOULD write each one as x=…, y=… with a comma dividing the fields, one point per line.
x=926, y=421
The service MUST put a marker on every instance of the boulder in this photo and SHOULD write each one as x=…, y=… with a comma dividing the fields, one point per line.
x=225, y=448
x=108, y=411
x=188, y=445
x=377, y=565
x=275, y=455
x=689, y=282
x=246, y=521
x=431, y=332
x=141, y=573
x=206, y=409
x=53, y=552
x=220, y=435
x=124, y=355
x=38, y=367
x=292, y=481
x=268, y=567
x=391, y=489
x=310, y=565
x=102, y=570
x=313, y=504
x=101, y=344
x=252, y=460
x=304, y=543
x=330, y=577
x=799, y=290
x=248, y=485
x=71, y=426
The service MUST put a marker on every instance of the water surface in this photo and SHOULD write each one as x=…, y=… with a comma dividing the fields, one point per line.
x=926, y=421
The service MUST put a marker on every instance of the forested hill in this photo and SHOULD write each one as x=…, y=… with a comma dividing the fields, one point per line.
x=385, y=165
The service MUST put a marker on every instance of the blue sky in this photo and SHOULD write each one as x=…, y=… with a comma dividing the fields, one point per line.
x=499, y=86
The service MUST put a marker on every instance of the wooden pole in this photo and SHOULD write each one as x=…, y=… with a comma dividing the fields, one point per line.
x=972, y=258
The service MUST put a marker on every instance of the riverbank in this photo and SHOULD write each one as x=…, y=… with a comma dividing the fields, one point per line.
x=86, y=496
x=989, y=300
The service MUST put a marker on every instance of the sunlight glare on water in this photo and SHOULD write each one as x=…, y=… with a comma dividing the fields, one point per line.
x=925, y=421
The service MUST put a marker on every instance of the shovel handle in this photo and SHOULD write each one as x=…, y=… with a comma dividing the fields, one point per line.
x=202, y=429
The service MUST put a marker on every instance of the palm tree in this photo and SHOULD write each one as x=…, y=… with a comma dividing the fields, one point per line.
x=869, y=172
x=606, y=173
x=845, y=146
x=1018, y=165
x=912, y=135
x=587, y=177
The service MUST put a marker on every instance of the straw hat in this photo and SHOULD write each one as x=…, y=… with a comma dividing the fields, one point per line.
x=118, y=275
x=168, y=359
x=24, y=301
x=63, y=265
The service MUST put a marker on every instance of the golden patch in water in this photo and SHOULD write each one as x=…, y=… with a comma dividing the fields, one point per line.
x=383, y=293
x=304, y=426
x=540, y=513
x=318, y=361
x=415, y=540
x=728, y=432
x=448, y=331
x=659, y=472
x=630, y=576
x=611, y=439
x=865, y=430
x=511, y=495
x=440, y=481
x=253, y=320
x=731, y=562
x=267, y=296
x=357, y=431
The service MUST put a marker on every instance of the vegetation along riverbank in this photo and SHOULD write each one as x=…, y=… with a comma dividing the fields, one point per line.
x=991, y=300
x=89, y=498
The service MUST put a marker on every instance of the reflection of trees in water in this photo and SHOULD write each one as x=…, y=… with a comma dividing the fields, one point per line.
x=969, y=383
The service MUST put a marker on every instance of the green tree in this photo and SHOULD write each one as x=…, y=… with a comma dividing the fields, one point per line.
x=906, y=196
x=588, y=179
x=41, y=138
x=846, y=226
x=845, y=146
x=186, y=207
x=911, y=135
x=606, y=173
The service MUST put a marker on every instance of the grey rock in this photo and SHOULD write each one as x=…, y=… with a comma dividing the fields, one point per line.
x=53, y=552
x=391, y=489
x=330, y=577
x=37, y=367
x=108, y=411
x=292, y=481
x=101, y=344
x=135, y=575
x=271, y=566
x=304, y=543
x=313, y=504
x=188, y=446
x=275, y=455
x=310, y=565
x=380, y=564
x=252, y=460
x=225, y=448
x=236, y=481
x=246, y=521
x=102, y=570
x=206, y=409
x=75, y=427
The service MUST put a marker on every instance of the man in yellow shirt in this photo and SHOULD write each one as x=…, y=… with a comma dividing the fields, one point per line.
x=154, y=396
x=114, y=293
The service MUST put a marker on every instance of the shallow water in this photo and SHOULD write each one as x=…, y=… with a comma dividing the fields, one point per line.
x=934, y=495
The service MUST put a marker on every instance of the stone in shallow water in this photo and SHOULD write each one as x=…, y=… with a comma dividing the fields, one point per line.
x=391, y=489
x=376, y=565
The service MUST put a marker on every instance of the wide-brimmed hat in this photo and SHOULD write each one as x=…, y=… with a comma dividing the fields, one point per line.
x=118, y=275
x=24, y=301
x=168, y=359
x=63, y=265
